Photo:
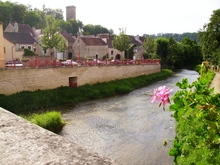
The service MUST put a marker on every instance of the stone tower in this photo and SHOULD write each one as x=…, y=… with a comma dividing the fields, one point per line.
x=70, y=12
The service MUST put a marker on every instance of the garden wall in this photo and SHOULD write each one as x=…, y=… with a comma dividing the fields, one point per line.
x=15, y=80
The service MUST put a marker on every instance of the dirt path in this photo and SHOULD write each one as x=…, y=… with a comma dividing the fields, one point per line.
x=216, y=83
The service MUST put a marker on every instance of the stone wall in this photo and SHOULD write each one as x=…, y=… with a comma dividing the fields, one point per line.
x=23, y=143
x=16, y=80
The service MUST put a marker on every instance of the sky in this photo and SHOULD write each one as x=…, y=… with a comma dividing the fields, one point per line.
x=137, y=17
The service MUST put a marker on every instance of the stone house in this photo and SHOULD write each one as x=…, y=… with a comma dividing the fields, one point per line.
x=137, y=47
x=69, y=42
x=14, y=44
x=89, y=47
x=112, y=52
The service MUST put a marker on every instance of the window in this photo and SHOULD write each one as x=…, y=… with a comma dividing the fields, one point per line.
x=22, y=47
x=112, y=52
x=4, y=50
x=29, y=47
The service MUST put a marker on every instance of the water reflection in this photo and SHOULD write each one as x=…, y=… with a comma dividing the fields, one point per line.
x=129, y=129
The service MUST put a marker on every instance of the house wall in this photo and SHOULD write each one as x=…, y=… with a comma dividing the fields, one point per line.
x=88, y=51
x=12, y=51
x=16, y=80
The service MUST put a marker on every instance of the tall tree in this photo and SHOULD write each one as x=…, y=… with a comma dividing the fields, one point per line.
x=75, y=26
x=121, y=42
x=210, y=38
x=51, y=36
x=162, y=50
x=149, y=47
x=175, y=54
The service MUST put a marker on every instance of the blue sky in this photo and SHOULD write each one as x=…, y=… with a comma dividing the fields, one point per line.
x=138, y=17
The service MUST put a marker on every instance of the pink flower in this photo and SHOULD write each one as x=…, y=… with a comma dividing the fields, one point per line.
x=162, y=95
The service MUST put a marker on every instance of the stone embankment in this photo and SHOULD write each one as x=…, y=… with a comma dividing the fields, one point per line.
x=23, y=143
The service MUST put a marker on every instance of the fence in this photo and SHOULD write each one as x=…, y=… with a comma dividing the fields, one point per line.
x=50, y=63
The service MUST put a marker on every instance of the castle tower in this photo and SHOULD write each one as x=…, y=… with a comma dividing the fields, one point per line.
x=70, y=12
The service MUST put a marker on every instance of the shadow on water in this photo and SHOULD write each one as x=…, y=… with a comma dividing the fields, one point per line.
x=129, y=128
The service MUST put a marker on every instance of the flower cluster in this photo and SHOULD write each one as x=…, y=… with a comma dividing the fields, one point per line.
x=162, y=95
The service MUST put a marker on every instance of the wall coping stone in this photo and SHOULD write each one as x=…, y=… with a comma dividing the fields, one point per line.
x=24, y=143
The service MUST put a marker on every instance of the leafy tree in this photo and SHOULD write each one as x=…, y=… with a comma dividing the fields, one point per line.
x=65, y=26
x=51, y=36
x=210, y=38
x=162, y=50
x=75, y=26
x=61, y=46
x=121, y=42
x=33, y=19
x=149, y=46
x=192, y=52
x=5, y=14
x=19, y=12
x=57, y=13
x=175, y=54
x=94, y=29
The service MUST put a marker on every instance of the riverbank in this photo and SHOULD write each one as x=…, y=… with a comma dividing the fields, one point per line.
x=216, y=83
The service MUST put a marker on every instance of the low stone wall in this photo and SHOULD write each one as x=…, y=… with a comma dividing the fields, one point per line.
x=23, y=143
x=16, y=80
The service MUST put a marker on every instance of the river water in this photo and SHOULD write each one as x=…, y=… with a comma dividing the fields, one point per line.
x=128, y=129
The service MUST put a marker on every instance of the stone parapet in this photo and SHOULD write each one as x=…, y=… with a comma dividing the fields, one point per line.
x=23, y=143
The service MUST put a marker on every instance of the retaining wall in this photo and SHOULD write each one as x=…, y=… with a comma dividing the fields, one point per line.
x=15, y=80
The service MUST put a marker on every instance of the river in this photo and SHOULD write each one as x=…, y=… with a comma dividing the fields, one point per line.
x=128, y=129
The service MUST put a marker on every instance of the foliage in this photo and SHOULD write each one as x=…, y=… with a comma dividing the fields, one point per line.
x=75, y=26
x=61, y=46
x=196, y=111
x=162, y=49
x=28, y=101
x=121, y=42
x=175, y=36
x=210, y=38
x=51, y=36
x=50, y=120
x=94, y=30
x=149, y=46
x=28, y=52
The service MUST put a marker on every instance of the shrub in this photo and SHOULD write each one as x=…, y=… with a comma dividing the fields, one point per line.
x=51, y=121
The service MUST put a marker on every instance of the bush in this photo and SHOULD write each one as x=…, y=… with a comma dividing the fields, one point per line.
x=51, y=121
x=28, y=52
x=197, y=114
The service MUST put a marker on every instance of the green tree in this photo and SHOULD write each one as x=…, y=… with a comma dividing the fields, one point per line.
x=175, y=54
x=94, y=29
x=32, y=18
x=75, y=26
x=61, y=46
x=162, y=50
x=121, y=42
x=192, y=52
x=51, y=36
x=149, y=47
x=210, y=38
x=18, y=13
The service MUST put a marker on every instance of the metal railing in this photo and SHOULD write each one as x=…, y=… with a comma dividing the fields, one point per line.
x=51, y=63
